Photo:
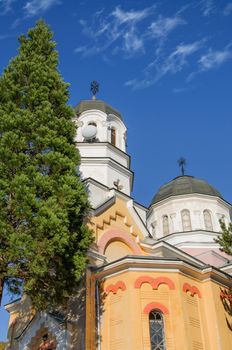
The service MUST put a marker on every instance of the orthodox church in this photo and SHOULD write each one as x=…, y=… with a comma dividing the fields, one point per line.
x=156, y=279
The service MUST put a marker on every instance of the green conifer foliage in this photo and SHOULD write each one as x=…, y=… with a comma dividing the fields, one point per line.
x=43, y=204
x=225, y=238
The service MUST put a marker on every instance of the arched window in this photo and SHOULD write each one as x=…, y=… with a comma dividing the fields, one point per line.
x=156, y=325
x=92, y=123
x=165, y=225
x=113, y=136
x=208, y=220
x=186, y=221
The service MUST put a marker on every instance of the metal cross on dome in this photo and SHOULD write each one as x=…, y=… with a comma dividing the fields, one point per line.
x=94, y=88
x=182, y=164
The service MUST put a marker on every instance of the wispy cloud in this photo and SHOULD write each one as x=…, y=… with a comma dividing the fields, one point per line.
x=228, y=9
x=127, y=32
x=6, y=36
x=163, y=26
x=172, y=64
x=148, y=33
x=208, y=7
x=5, y=6
x=213, y=59
x=117, y=30
x=131, y=16
x=132, y=42
x=35, y=7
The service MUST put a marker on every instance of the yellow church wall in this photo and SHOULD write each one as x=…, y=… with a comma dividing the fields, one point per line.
x=222, y=311
x=116, y=250
x=118, y=221
x=21, y=313
x=194, y=317
x=192, y=304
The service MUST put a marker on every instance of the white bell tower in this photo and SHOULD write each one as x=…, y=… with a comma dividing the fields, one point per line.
x=101, y=140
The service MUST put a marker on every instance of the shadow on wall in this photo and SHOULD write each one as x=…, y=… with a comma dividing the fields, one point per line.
x=20, y=322
x=100, y=296
x=35, y=330
x=226, y=299
x=76, y=317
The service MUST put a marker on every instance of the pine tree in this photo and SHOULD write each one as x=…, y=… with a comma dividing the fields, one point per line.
x=225, y=238
x=43, y=204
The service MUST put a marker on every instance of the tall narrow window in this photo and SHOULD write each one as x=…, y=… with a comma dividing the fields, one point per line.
x=165, y=225
x=156, y=330
x=186, y=221
x=208, y=220
x=113, y=136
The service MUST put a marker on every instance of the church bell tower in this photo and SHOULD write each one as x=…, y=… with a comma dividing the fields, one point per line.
x=101, y=140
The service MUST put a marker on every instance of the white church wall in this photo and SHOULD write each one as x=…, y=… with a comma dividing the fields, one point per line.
x=118, y=125
x=54, y=328
x=103, y=123
x=92, y=116
x=107, y=173
x=94, y=170
x=116, y=173
x=195, y=204
x=102, y=150
x=104, y=158
x=97, y=195
x=141, y=211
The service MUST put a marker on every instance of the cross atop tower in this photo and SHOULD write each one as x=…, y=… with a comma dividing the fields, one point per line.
x=94, y=88
x=182, y=164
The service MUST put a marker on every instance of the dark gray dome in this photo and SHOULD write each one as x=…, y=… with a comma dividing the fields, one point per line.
x=184, y=185
x=100, y=105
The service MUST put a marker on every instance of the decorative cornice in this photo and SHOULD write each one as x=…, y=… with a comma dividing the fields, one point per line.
x=145, y=263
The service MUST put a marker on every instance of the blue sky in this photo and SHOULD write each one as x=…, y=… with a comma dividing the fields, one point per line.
x=165, y=65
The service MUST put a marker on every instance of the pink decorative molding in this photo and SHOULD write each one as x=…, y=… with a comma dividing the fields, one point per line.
x=155, y=306
x=192, y=289
x=115, y=287
x=154, y=282
x=114, y=235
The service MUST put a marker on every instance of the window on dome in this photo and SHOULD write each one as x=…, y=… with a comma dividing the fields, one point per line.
x=156, y=325
x=113, y=136
x=208, y=220
x=165, y=225
x=186, y=220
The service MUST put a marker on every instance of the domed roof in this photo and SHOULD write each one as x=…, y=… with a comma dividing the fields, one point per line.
x=184, y=185
x=100, y=105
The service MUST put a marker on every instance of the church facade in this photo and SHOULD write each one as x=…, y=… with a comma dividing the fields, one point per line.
x=156, y=279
